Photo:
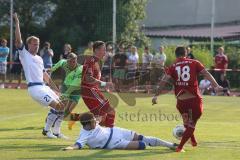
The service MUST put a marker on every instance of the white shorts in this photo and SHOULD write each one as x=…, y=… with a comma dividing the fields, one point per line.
x=121, y=138
x=43, y=94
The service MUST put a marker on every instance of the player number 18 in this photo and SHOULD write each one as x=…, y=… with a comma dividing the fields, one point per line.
x=183, y=73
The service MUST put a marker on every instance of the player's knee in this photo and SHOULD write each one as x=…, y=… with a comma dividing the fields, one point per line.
x=141, y=145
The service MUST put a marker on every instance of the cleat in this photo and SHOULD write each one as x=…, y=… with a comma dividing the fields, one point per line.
x=48, y=134
x=61, y=136
x=180, y=150
x=71, y=124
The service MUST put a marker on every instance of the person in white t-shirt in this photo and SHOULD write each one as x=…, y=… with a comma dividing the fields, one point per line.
x=35, y=77
x=96, y=136
x=133, y=59
x=205, y=85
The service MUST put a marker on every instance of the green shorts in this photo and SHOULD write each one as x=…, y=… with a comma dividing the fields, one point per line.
x=119, y=73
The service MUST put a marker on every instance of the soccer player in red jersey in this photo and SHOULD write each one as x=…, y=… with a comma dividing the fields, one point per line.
x=184, y=74
x=91, y=94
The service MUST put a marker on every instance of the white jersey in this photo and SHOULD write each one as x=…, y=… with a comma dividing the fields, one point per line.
x=32, y=65
x=98, y=137
x=33, y=70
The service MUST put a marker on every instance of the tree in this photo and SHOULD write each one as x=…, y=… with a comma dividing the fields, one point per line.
x=32, y=14
x=78, y=22
x=130, y=13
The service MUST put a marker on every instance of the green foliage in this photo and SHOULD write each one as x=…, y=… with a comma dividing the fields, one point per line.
x=204, y=55
x=132, y=11
x=200, y=53
x=32, y=15
x=233, y=54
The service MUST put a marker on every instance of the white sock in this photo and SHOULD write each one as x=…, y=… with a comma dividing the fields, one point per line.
x=50, y=120
x=57, y=125
x=153, y=141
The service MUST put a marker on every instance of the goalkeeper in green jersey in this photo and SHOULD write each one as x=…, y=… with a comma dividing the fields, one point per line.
x=70, y=90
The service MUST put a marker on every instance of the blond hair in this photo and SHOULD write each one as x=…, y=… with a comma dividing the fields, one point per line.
x=29, y=39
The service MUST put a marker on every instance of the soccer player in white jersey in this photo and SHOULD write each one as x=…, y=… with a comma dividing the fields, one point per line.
x=96, y=136
x=35, y=77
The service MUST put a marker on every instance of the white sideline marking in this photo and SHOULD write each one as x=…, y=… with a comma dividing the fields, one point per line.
x=17, y=116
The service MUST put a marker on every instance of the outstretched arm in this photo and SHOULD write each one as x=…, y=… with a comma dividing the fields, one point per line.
x=73, y=147
x=162, y=83
x=17, y=32
x=209, y=77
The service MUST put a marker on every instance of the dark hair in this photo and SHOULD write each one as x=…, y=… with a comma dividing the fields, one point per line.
x=47, y=44
x=180, y=51
x=86, y=118
x=97, y=45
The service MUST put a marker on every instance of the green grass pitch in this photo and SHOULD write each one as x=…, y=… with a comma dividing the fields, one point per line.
x=22, y=120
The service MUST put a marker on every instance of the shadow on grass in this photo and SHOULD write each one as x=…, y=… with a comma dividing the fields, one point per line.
x=106, y=154
x=19, y=129
x=32, y=147
x=221, y=144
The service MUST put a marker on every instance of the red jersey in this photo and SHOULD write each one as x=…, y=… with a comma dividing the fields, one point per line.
x=220, y=61
x=184, y=73
x=91, y=67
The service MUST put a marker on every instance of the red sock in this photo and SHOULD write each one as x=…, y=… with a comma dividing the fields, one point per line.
x=186, y=135
x=109, y=122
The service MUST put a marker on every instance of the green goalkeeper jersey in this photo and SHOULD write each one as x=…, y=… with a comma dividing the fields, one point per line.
x=72, y=80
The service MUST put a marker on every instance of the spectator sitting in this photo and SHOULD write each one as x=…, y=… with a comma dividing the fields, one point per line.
x=224, y=82
x=205, y=87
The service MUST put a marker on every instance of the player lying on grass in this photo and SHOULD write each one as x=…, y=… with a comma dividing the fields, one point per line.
x=95, y=136
x=70, y=91
x=36, y=78
x=184, y=73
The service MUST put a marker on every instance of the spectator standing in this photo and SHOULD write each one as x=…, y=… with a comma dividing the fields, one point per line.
x=4, y=52
x=147, y=58
x=133, y=66
x=221, y=63
x=16, y=71
x=89, y=50
x=158, y=63
x=224, y=82
x=66, y=50
x=47, y=53
x=120, y=61
x=107, y=64
x=189, y=53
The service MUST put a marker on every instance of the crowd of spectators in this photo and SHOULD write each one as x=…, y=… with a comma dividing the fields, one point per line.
x=120, y=65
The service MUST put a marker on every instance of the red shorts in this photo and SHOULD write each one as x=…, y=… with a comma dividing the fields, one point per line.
x=191, y=110
x=95, y=101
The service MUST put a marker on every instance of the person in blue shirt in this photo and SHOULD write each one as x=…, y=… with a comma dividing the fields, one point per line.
x=4, y=52
x=47, y=53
